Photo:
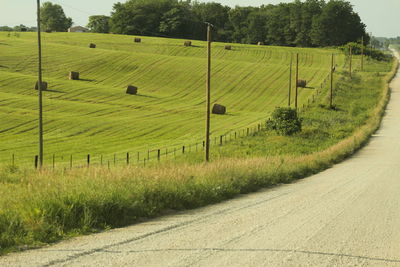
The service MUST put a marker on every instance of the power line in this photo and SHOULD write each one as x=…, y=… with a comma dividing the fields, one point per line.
x=74, y=8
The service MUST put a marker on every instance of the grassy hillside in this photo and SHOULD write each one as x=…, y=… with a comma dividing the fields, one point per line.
x=94, y=115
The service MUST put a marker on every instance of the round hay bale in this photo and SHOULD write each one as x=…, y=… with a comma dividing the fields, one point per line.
x=73, y=75
x=228, y=47
x=302, y=83
x=44, y=86
x=137, y=40
x=131, y=90
x=219, y=109
x=260, y=43
x=92, y=45
x=187, y=43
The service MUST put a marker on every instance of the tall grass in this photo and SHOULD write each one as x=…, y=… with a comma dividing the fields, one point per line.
x=42, y=207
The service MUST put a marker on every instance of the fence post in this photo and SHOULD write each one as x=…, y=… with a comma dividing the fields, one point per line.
x=101, y=160
x=54, y=161
x=13, y=159
x=158, y=154
x=36, y=161
x=220, y=140
x=248, y=131
x=138, y=157
x=88, y=160
x=235, y=135
x=70, y=162
x=183, y=149
x=127, y=158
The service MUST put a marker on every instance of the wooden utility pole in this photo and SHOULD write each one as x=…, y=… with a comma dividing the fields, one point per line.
x=208, y=94
x=331, y=88
x=350, y=59
x=370, y=43
x=362, y=53
x=290, y=80
x=40, y=88
x=297, y=81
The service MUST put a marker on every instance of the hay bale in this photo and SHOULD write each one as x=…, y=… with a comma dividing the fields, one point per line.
x=260, y=43
x=131, y=90
x=74, y=75
x=187, y=43
x=44, y=86
x=137, y=40
x=302, y=83
x=92, y=46
x=219, y=109
x=228, y=47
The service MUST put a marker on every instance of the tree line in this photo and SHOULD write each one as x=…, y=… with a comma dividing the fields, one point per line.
x=309, y=23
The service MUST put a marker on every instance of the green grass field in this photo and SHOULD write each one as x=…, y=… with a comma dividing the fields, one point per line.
x=94, y=115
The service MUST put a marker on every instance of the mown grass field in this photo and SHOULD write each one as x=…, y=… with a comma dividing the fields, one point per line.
x=95, y=116
x=39, y=207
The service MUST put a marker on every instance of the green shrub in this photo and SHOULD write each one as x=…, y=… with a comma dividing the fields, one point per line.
x=285, y=121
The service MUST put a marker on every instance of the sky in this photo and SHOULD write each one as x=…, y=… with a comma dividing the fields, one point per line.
x=380, y=16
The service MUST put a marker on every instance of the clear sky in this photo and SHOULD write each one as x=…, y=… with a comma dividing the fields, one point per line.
x=380, y=16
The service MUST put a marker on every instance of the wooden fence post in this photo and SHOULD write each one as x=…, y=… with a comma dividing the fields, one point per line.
x=36, y=161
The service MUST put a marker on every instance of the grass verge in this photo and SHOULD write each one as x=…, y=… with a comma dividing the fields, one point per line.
x=38, y=208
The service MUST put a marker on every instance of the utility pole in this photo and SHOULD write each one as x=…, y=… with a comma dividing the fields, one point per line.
x=208, y=94
x=351, y=59
x=370, y=43
x=332, y=70
x=40, y=88
x=297, y=81
x=362, y=53
x=290, y=80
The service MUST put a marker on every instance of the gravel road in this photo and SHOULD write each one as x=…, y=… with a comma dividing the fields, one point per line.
x=348, y=215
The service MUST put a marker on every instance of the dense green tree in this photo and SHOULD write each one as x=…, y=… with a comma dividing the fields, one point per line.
x=53, y=18
x=99, y=24
x=238, y=18
x=213, y=13
x=144, y=17
x=257, y=27
x=5, y=29
x=300, y=23
x=338, y=24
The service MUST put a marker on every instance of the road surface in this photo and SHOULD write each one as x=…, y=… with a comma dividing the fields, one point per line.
x=348, y=215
